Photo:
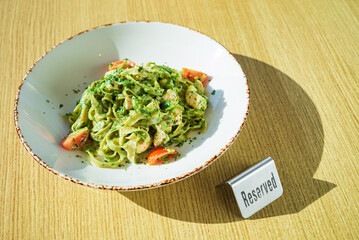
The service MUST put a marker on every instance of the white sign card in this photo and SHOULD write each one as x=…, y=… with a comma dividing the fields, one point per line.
x=256, y=187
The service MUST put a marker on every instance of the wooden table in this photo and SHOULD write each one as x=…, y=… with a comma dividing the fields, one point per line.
x=301, y=61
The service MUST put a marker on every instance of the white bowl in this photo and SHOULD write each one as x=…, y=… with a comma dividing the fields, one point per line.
x=82, y=59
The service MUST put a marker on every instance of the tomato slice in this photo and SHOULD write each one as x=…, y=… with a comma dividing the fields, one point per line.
x=159, y=155
x=193, y=75
x=121, y=64
x=76, y=140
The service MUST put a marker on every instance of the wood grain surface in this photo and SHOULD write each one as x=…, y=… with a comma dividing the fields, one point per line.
x=301, y=61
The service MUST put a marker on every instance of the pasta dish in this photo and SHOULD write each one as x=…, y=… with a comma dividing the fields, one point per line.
x=136, y=108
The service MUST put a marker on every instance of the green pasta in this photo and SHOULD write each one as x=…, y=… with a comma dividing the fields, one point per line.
x=131, y=110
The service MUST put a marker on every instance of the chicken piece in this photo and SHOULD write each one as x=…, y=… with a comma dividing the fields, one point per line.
x=177, y=116
x=160, y=137
x=128, y=103
x=143, y=146
x=170, y=95
x=195, y=100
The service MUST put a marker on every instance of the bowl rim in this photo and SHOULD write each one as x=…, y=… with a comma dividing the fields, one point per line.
x=114, y=187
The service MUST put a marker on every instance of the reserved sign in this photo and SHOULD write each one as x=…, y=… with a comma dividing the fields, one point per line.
x=256, y=187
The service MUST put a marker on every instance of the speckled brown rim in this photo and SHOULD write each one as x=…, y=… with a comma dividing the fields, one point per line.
x=107, y=187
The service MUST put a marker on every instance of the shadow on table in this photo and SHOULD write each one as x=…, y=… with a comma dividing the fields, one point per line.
x=283, y=123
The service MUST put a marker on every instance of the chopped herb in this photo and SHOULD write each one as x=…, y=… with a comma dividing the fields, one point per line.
x=213, y=92
x=167, y=104
x=61, y=105
x=43, y=112
x=47, y=100
x=140, y=68
x=78, y=156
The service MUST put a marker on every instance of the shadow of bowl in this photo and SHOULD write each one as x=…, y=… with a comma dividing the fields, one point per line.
x=283, y=123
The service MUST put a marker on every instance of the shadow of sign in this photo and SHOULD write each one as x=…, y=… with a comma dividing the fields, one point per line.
x=283, y=123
